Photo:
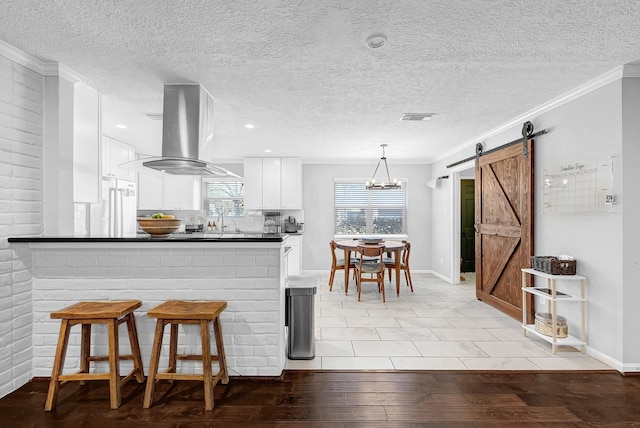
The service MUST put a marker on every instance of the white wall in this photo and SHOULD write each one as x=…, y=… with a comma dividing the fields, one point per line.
x=21, y=136
x=586, y=129
x=318, y=200
x=58, y=156
x=441, y=227
x=631, y=214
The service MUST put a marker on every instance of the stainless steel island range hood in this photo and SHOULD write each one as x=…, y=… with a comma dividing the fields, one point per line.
x=186, y=127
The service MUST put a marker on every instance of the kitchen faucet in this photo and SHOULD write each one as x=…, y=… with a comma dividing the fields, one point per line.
x=221, y=221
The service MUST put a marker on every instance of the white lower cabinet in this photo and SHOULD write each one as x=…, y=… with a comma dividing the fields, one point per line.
x=294, y=259
x=169, y=192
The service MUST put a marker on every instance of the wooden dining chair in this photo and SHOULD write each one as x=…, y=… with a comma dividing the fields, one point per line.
x=374, y=269
x=337, y=263
x=404, y=264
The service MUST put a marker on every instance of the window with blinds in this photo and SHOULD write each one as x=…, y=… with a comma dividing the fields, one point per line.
x=359, y=211
x=223, y=196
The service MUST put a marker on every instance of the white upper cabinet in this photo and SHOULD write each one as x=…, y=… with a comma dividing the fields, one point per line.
x=169, y=192
x=291, y=189
x=150, y=192
x=272, y=183
x=86, y=144
x=271, y=170
x=253, y=183
x=182, y=192
x=115, y=153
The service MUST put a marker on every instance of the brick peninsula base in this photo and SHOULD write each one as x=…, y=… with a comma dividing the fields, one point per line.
x=249, y=276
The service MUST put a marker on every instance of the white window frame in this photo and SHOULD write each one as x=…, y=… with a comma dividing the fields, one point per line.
x=205, y=199
x=369, y=206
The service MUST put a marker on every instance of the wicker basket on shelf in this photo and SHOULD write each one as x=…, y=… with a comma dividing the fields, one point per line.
x=553, y=265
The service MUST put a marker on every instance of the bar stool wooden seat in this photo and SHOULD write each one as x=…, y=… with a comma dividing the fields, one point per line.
x=175, y=312
x=112, y=313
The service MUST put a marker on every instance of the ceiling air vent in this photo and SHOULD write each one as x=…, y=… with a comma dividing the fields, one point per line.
x=152, y=116
x=416, y=116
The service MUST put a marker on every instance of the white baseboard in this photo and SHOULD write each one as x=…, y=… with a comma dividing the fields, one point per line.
x=612, y=362
x=315, y=272
x=327, y=271
x=441, y=276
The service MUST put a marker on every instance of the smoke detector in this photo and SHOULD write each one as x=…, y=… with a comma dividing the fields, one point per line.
x=376, y=41
x=413, y=117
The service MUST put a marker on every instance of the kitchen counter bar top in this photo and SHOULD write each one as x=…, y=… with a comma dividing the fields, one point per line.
x=213, y=237
x=248, y=271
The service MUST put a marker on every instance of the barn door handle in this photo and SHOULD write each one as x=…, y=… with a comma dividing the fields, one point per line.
x=475, y=227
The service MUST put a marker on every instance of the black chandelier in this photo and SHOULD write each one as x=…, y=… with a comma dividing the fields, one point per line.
x=383, y=185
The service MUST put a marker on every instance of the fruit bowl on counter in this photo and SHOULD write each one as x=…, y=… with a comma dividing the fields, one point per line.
x=159, y=225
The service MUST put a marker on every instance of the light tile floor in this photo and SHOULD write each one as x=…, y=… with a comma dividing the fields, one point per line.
x=439, y=326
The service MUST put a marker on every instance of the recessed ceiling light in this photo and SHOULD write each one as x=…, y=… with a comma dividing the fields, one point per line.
x=121, y=126
x=267, y=150
x=249, y=126
x=376, y=41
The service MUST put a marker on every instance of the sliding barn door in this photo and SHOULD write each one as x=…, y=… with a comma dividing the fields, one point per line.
x=504, y=226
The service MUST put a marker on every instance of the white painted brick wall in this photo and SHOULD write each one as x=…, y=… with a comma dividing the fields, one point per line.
x=248, y=279
x=21, y=122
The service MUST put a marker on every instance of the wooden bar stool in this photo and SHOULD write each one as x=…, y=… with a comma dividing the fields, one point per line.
x=203, y=313
x=112, y=313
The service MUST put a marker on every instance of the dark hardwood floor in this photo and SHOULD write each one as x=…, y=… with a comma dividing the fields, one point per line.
x=347, y=399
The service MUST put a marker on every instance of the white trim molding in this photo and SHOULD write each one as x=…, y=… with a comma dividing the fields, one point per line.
x=57, y=69
x=48, y=68
x=21, y=57
x=629, y=70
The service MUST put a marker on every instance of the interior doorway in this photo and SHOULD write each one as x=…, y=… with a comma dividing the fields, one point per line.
x=457, y=174
x=467, y=231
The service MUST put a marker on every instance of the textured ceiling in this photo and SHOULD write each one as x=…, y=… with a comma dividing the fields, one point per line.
x=300, y=70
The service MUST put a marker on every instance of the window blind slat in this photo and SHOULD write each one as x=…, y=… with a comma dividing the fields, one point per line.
x=362, y=211
x=224, y=196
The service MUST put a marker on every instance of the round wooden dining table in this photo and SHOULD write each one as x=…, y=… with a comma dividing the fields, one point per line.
x=349, y=245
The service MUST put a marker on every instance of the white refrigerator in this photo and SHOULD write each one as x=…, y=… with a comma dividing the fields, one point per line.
x=115, y=215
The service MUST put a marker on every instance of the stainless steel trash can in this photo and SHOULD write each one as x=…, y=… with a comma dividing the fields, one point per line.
x=301, y=290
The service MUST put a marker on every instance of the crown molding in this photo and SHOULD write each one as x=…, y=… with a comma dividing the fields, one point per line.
x=57, y=69
x=629, y=70
x=21, y=57
x=48, y=68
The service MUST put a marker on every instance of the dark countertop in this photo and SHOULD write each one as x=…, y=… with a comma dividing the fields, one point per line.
x=231, y=237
